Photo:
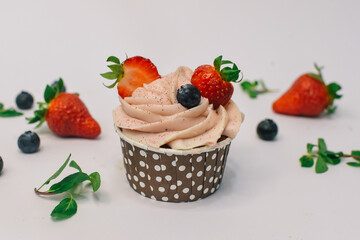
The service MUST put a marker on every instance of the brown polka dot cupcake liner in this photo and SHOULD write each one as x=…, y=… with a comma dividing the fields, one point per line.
x=174, y=175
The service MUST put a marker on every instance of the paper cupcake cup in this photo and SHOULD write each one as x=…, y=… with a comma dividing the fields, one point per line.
x=174, y=175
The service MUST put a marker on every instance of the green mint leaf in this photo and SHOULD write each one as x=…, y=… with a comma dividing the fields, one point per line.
x=307, y=161
x=310, y=147
x=217, y=63
x=95, y=180
x=113, y=59
x=1, y=106
x=68, y=182
x=353, y=164
x=320, y=166
x=73, y=164
x=356, y=153
x=330, y=160
x=116, y=68
x=57, y=173
x=7, y=113
x=65, y=209
x=322, y=146
x=110, y=75
x=49, y=94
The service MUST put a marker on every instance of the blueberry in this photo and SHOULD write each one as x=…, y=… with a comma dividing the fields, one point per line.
x=29, y=142
x=267, y=129
x=1, y=164
x=24, y=100
x=188, y=95
x=55, y=83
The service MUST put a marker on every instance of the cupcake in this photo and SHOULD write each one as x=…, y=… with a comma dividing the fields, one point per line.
x=175, y=134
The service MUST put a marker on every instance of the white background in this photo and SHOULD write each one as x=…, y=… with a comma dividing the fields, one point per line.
x=265, y=193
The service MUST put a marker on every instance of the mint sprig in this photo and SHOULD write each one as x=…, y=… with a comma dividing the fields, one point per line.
x=10, y=112
x=322, y=156
x=255, y=88
x=68, y=206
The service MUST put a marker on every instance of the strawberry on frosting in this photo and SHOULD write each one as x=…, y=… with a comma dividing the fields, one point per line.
x=153, y=116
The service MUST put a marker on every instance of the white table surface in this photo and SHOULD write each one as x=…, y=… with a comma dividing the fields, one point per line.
x=265, y=194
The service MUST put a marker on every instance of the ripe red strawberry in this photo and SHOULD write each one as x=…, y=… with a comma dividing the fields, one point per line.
x=308, y=96
x=65, y=114
x=215, y=83
x=130, y=74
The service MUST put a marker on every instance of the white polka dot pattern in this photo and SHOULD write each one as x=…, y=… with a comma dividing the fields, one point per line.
x=174, y=178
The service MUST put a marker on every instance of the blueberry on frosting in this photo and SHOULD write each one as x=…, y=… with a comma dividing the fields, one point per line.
x=188, y=95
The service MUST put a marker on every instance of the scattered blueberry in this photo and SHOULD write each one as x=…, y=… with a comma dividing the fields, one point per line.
x=267, y=129
x=188, y=95
x=1, y=164
x=24, y=100
x=29, y=142
x=55, y=83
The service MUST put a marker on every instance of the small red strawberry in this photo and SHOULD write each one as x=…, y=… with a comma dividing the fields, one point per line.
x=308, y=96
x=215, y=83
x=134, y=72
x=65, y=114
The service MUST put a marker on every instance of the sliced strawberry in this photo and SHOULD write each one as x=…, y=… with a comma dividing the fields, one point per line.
x=134, y=72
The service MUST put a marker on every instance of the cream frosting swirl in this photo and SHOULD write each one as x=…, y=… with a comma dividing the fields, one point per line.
x=153, y=116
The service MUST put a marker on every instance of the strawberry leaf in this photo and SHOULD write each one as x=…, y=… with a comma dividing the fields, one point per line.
x=113, y=59
x=49, y=94
x=116, y=68
x=217, y=63
x=110, y=75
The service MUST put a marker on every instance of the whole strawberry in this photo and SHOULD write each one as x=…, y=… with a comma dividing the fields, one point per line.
x=134, y=72
x=65, y=114
x=308, y=96
x=214, y=83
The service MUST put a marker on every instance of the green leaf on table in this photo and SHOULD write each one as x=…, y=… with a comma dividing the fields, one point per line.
x=322, y=146
x=68, y=182
x=310, y=147
x=65, y=209
x=330, y=160
x=320, y=166
x=353, y=164
x=58, y=172
x=7, y=113
x=307, y=161
x=356, y=155
x=95, y=180
x=73, y=164
x=1, y=106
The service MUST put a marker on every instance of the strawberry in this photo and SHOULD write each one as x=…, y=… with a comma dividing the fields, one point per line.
x=215, y=83
x=65, y=114
x=134, y=72
x=308, y=96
